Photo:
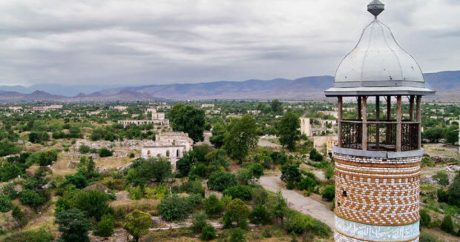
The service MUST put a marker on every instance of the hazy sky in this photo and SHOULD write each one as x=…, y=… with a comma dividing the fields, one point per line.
x=130, y=42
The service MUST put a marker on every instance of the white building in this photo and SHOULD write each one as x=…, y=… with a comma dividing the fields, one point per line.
x=305, y=127
x=170, y=145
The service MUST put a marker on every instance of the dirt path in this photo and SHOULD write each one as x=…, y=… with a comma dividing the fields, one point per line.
x=299, y=202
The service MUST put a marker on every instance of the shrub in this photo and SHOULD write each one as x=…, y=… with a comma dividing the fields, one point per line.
x=260, y=215
x=237, y=235
x=9, y=191
x=135, y=193
x=39, y=235
x=194, y=186
x=144, y=171
x=208, y=233
x=237, y=212
x=290, y=174
x=173, y=208
x=426, y=237
x=425, y=218
x=105, y=227
x=442, y=178
x=443, y=195
x=447, y=224
x=9, y=170
x=454, y=191
x=104, y=152
x=38, y=137
x=302, y=224
x=19, y=216
x=213, y=206
x=78, y=180
x=194, y=201
x=84, y=149
x=328, y=193
x=5, y=203
x=198, y=222
x=307, y=183
x=256, y=169
x=218, y=181
x=137, y=224
x=315, y=155
x=31, y=198
x=73, y=224
x=239, y=191
x=93, y=202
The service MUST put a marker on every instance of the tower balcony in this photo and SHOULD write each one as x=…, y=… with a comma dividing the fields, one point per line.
x=381, y=135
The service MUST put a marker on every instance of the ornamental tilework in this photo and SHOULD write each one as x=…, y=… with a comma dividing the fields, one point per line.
x=347, y=231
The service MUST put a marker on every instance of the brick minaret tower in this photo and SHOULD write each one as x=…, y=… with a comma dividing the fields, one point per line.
x=377, y=158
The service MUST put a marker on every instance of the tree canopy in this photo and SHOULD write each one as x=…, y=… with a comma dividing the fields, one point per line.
x=288, y=130
x=241, y=137
x=188, y=119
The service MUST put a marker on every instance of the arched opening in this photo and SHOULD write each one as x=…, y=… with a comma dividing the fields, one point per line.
x=167, y=153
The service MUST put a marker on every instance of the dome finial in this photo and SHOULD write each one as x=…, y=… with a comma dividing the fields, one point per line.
x=375, y=7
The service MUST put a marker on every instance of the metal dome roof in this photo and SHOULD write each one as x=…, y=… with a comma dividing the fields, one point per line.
x=378, y=65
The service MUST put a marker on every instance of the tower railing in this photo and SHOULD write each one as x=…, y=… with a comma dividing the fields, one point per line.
x=381, y=135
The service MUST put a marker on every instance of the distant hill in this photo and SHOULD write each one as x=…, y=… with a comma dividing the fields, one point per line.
x=447, y=85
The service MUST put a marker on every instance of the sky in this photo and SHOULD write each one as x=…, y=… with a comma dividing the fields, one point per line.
x=138, y=42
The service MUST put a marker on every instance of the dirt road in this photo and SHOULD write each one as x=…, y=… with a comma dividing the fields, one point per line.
x=299, y=202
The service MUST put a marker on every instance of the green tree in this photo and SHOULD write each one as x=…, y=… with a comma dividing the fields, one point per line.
x=137, y=224
x=241, y=137
x=242, y=192
x=38, y=137
x=433, y=134
x=276, y=106
x=73, y=225
x=104, y=228
x=219, y=181
x=260, y=215
x=219, y=131
x=144, y=171
x=188, y=119
x=31, y=198
x=288, y=130
x=290, y=174
x=237, y=212
x=279, y=207
x=447, y=224
x=454, y=191
x=425, y=218
x=213, y=206
x=93, y=202
x=174, y=208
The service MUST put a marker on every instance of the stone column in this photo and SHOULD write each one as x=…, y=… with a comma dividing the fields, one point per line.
x=364, y=122
x=398, y=123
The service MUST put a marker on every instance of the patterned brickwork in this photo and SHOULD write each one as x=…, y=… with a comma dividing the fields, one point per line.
x=375, y=191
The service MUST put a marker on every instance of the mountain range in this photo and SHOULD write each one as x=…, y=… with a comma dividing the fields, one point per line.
x=447, y=85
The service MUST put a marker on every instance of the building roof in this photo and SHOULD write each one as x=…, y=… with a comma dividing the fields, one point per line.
x=378, y=65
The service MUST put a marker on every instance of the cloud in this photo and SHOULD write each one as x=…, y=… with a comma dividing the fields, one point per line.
x=122, y=42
